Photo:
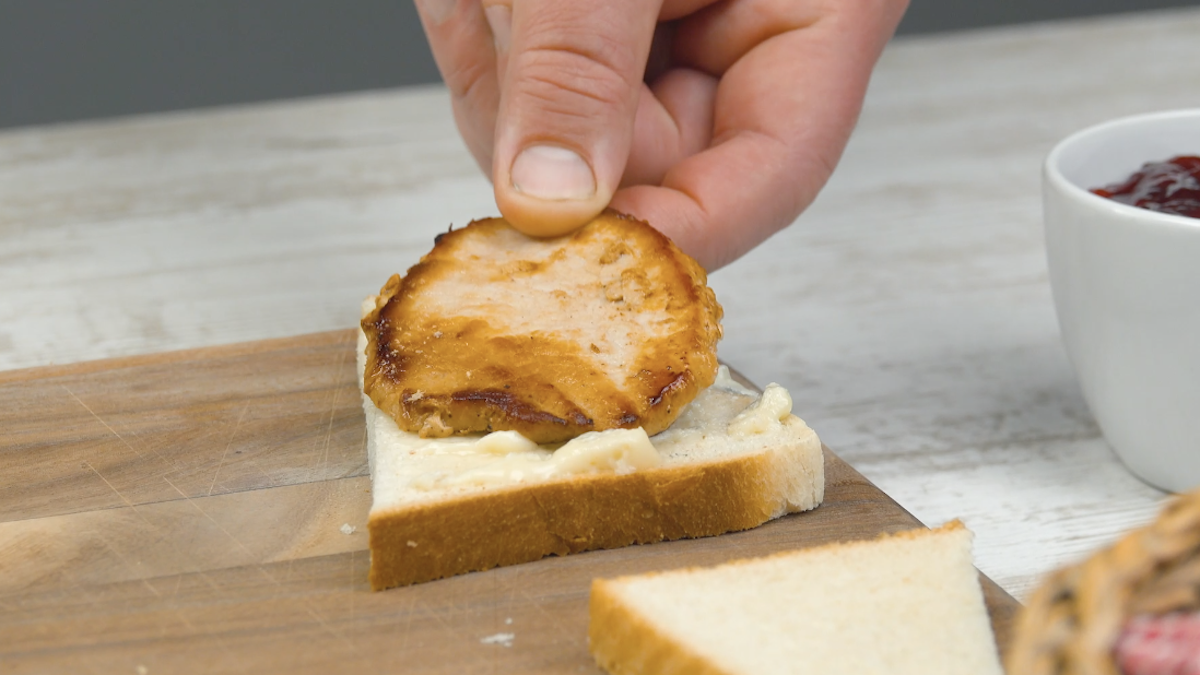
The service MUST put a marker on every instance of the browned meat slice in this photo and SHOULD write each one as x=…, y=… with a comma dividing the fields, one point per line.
x=609, y=327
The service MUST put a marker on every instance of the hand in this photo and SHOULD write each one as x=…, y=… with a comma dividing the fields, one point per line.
x=716, y=122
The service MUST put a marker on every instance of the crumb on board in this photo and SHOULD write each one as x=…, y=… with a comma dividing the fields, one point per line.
x=508, y=621
x=412, y=544
x=347, y=528
x=505, y=639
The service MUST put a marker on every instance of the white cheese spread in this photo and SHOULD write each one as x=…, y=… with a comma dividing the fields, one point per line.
x=765, y=414
x=507, y=457
x=402, y=458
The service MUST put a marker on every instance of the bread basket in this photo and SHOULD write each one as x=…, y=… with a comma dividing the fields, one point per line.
x=1071, y=622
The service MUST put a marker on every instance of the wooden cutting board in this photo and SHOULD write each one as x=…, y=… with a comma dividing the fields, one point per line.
x=205, y=511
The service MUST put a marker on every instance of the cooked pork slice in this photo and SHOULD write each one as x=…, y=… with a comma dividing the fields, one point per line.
x=609, y=327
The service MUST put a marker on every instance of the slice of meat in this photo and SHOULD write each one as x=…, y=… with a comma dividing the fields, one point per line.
x=609, y=327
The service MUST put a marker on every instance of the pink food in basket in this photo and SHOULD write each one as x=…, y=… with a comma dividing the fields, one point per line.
x=1160, y=645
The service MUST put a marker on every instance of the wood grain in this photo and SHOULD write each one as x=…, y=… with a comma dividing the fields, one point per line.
x=184, y=512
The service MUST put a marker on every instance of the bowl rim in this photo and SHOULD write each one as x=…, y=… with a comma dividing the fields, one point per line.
x=1055, y=177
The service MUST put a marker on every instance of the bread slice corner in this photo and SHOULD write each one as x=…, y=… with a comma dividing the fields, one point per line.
x=904, y=603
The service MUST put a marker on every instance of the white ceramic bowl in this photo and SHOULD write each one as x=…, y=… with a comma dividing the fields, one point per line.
x=1126, y=285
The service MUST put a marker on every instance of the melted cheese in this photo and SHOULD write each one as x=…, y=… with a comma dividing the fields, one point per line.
x=765, y=414
x=614, y=451
x=507, y=457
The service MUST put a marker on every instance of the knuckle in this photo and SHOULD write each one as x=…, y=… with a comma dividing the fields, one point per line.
x=581, y=74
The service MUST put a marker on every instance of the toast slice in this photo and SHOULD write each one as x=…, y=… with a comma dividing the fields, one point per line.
x=610, y=327
x=905, y=603
x=733, y=460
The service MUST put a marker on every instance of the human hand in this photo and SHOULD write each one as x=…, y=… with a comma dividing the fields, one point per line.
x=716, y=122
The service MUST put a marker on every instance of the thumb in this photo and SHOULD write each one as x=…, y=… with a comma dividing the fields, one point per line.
x=571, y=74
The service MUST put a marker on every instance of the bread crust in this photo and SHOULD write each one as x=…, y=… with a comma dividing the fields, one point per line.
x=624, y=642
x=623, y=333
x=523, y=523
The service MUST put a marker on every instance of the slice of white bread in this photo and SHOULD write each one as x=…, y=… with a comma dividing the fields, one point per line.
x=905, y=603
x=731, y=461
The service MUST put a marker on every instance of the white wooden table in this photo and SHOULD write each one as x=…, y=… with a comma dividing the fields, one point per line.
x=908, y=310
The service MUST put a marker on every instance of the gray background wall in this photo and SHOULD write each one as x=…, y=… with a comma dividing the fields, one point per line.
x=64, y=60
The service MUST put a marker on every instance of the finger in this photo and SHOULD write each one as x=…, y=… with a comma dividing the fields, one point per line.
x=713, y=223
x=774, y=146
x=569, y=94
x=721, y=203
x=464, y=49
x=674, y=121
x=675, y=9
x=716, y=37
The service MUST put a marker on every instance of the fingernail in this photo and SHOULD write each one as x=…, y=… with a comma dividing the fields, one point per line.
x=552, y=173
x=499, y=18
x=437, y=11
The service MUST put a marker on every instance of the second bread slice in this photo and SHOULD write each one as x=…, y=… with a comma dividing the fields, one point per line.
x=908, y=603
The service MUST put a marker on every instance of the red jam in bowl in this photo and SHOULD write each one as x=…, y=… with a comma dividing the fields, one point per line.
x=1172, y=186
